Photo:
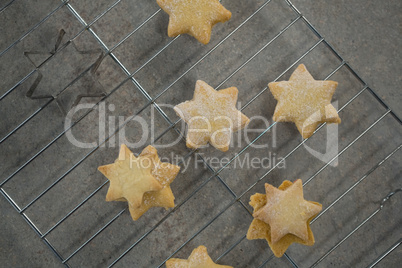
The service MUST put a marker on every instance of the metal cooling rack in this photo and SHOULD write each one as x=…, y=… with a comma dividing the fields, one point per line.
x=151, y=101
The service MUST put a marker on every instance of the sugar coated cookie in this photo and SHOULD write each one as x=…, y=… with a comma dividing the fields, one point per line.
x=211, y=116
x=143, y=181
x=198, y=259
x=194, y=17
x=304, y=101
x=282, y=216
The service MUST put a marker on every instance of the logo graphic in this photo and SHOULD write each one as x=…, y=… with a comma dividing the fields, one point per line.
x=331, y=148
x=112, y=133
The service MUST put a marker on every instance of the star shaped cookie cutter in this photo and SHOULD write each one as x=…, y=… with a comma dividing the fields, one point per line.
x=92, y=70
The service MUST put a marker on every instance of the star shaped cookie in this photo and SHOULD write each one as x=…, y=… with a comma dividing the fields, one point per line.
x=141, y=181
x=304, y=101
x=164, y=173
x=198, y=259
x=194, y=17
x=211, y=116
x=282, y=216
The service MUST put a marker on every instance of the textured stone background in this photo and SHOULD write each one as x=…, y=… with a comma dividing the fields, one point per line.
x=366, y=33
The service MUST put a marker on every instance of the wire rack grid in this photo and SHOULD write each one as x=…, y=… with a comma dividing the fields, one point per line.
x=212, y=201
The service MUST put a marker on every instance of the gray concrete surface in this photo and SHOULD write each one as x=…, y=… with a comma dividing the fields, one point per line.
x=366, y=33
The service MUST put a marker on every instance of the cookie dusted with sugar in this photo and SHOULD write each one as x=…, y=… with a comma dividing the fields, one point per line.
x=199, y=258
x=304, y=101
x=211, y=116
x=282, y=216
x=164, y=173
x=143, y=181
x=194, y=17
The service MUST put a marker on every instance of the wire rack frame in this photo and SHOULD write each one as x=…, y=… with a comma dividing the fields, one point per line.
x=172, y=125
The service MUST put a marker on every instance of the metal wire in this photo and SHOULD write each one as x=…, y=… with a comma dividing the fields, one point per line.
x=241, y=195
x=385, y=199
x=291, y=260
x=32, y=225
x=314, y=30
x=125, y=80
x=120, y=127
x=33, y=28
x=357, y=183
x=172, y=125
x=327, y=207
x=385, y=254
x=146, y=95
x=237, y=199
x=6, y=5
